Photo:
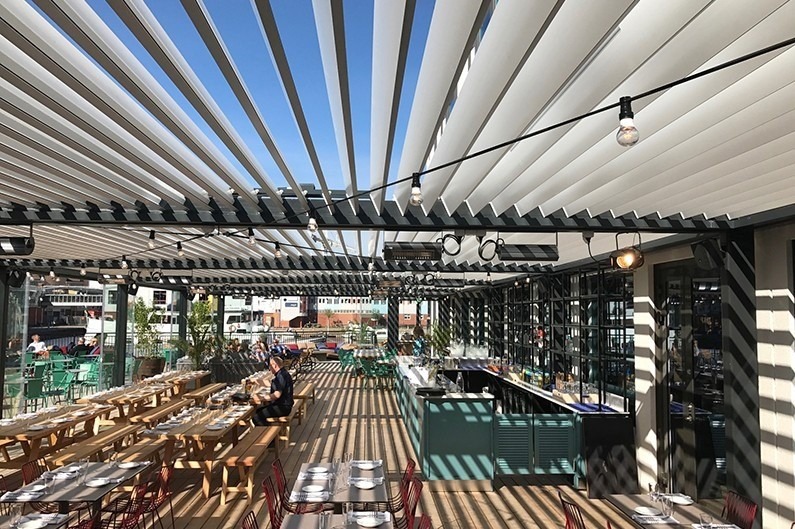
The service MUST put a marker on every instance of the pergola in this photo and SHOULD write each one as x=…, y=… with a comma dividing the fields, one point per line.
x=110, y=135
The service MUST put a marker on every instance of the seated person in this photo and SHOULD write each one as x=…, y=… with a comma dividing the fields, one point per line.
x=80, y=349
x=36, y=346
x=277, y=349
x=277, y=403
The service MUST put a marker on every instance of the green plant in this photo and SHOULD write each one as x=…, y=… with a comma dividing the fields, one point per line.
x=146, y=337
x=439, y=338
x=199, y=324
x=328, y=313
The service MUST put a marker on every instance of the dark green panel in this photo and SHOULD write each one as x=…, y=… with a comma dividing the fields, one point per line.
x=458, y=439
x=512, y=440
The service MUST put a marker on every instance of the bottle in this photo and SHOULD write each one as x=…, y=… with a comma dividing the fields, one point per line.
x=459, y=381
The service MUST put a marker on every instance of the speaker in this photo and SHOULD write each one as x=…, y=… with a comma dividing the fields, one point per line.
x=708, y=254
x=16, y=278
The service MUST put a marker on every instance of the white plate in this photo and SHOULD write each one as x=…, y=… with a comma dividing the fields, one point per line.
x=369, y=465
x=647, y=511
x=313, y=488
x=681, y=500
x=36, y=487
x=81, y=413
x=369, y=521
x=129, y=464
x=32, y=524
x=317, y=470
x=365, y=485
x=98, y=482
x=36, y=427
x=215, y=427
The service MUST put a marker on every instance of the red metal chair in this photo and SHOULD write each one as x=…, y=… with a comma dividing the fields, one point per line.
x=411, y=498
x=284, y=493
x=31, y=471
x=395, y=503
x=573, y=514
x=121, y=513
x=250, y=521
x=739, y=510
x=275, y=511
x=158, y=494
x=5, y=508
x=425, y=522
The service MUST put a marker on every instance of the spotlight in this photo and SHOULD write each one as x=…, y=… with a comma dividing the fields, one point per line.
x=83, y=270
x=278, y=251
x=627, y=134
x=628, y=258
x=312, y=224
x=180, y=251
x=124, y=264
x=152, y=242
x=252, y=240
x=451, y=244
x=416, y=190
x=489, y=248
x=157, y=276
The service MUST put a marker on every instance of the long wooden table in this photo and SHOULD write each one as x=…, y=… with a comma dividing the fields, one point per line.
x=202, y=444
x=685, y=515
x=31, y=433
x=130, y=401
x=201, y=394
x=179, y=380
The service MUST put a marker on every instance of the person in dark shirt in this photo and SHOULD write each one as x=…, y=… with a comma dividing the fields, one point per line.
x=277, y=349
x=279, y=402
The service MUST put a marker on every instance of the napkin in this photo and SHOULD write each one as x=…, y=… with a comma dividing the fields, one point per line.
x=357, y=462
x=310, y=497
x=643, y=519
x=22, y=494
x=66, y=474
x=309, y=476
x=367, y=514
x=377, y=481
x=715, y=526
x=51, y=519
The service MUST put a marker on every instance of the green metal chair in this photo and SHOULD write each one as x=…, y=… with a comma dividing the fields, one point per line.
x=346, y=359
x=88, y=377
x=34, y=391
x=370, y=369
x=62, y=385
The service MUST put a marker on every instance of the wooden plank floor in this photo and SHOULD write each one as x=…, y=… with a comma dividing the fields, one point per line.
x=347, y=418
x=366, y=422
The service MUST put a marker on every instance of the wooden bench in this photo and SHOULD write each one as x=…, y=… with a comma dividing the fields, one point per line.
x=152, y=416
x=93, y=446
x=147, y=449
x=284, y=424
x=246, y=456
x=302, y=392
x=201, y=394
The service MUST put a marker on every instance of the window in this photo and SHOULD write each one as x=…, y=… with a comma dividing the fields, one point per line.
x=159, y=297
x=407, y=316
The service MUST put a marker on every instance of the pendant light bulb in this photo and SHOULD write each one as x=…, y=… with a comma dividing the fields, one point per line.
x=180, y=251
x=52, y=272
x=278, y=253
x=488, y=277
x=252, y=240
x=312, y=224
x=371, y=266
x=124, y=264
x=416, y=190
x=152, y=239
x=627, y=134
x=83, y=270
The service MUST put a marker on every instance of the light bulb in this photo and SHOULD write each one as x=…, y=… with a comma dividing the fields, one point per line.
x=312, y=224
x=416, y=196
x=252, y=240
x=52, y=272
x=83, y=270
x=180, y=251
x=124, y=264
x=370, y=266
x=152, y=239
x=278, y=253
x=627, y=134
x=488, y=277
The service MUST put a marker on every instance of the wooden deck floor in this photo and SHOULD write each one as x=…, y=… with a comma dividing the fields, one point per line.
x=347, y=418
x=366, y=422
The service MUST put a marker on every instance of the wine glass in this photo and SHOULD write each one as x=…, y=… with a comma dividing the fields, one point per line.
x=113, y=459
x=705, y=521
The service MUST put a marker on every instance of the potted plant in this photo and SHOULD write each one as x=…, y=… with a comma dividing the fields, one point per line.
x=147, y=340
x=439, y=337
x=199, y=324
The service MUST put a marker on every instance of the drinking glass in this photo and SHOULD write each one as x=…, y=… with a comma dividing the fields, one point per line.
x=49, y=481
x=113, y=459
x=347, y=510
x=15, y=513
x=667, y=506
x=83, y=470
x=705, y=521
x=325, y=520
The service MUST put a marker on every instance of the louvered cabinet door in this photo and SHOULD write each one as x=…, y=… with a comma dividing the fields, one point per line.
x=512, y=439
x=553, y=444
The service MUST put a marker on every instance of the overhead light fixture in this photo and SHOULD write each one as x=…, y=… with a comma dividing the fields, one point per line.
x=252, y=240
x=416, y=190
x=157, y=276
x=371, y=266
x=52, y=272
x=451, y=244
x=489, y=248
x=180, y=251
x=17, y=245
x=488, y=277
x=629, y=258
x=516, y=283
x=83, y=270
x=312, y=224
x=124, y=264
x=278, y=251
x=152, y=241
x=627, y=134
x=412, y=251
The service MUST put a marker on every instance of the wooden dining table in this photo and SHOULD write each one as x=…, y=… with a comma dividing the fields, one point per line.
x=684, y=515
x=31, y=433
x=179, y=380
x=131, y=400
x=202, y=444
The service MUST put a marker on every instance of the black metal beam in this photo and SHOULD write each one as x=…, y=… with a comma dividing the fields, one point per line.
x=344, y=216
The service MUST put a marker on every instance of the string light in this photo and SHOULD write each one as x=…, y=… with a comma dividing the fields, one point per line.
x=312, y=224
x=278, y=251
x=152, y=241
x=416, y=190
x=124, y=264
x=252, y=240
x=180, y=251
x=627, y=134
x=83, y=270
x=52, y=272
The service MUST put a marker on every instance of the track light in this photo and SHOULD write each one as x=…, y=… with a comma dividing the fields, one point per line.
x=312, y=224
x=451, y=244
x=152, y=239
x=180, y=251
x=124, y=264
x=627, y=134
x=278, y=251
x=252, y=240
x=629, y=258
x=489, y=248
x=416, y=190
x=83, y=270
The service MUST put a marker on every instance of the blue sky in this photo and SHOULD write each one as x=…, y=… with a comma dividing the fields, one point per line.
x=239, y=29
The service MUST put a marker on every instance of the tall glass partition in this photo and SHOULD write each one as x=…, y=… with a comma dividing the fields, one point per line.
x=15, y=359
